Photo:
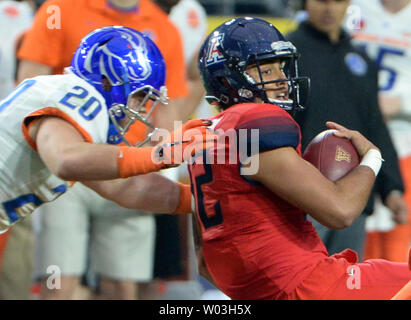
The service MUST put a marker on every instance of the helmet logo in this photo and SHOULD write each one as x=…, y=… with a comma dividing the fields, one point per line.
x=281, y=47
x=114, y=66
x=213, y=53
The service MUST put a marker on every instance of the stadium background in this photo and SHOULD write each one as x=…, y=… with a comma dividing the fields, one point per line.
x=283, y=24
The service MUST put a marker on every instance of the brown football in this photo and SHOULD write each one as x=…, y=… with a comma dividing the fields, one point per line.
x=332, y=155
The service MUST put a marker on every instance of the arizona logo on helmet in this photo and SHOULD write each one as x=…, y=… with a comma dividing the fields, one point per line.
x=213, y=54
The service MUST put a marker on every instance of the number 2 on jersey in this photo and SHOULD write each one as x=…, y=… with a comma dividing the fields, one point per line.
x=208, y=220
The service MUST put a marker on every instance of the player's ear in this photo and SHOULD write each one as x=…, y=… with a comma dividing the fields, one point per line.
x=106, y=84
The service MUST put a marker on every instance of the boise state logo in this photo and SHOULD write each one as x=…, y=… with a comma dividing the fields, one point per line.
x=214, y=55
x=142, y=70
x=110, y=59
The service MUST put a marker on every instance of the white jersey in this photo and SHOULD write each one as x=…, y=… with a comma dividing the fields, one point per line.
x=25, y=182
x=191, y=20
x=15, y=18
x=386, y=38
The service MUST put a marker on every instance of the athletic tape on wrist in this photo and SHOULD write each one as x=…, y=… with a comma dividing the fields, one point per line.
x=373, y=160
x=132, y=161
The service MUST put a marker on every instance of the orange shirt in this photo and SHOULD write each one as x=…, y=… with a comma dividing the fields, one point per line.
x=59, y=25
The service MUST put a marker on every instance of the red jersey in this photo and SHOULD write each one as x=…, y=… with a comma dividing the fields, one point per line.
x=255, y=245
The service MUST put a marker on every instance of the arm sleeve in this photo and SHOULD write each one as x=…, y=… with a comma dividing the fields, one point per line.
x=43, y=42
x=276, y=128
x=389, y=178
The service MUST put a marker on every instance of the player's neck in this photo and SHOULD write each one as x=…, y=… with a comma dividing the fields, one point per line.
x=395, y=6
x=124, y=4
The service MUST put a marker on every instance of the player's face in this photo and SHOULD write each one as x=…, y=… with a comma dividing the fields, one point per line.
x=136, y=103
x=270, y=72
x=327, y=15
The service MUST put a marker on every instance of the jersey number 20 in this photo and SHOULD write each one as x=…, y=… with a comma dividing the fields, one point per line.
x=80, y=94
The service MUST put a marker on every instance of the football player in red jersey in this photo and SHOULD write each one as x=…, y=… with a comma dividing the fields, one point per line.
x=255, y=240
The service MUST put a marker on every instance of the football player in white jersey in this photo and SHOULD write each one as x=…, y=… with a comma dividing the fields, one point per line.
x=382, y=28
x=54, y=129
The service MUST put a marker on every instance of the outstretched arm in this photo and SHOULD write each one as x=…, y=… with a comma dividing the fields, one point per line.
x=151, y=192
x=67, y=155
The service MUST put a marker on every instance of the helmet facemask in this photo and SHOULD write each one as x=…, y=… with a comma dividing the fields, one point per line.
x=124, y=115
x=292, y=81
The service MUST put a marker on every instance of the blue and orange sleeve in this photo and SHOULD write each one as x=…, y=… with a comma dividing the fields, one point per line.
x=276, y=128
x=54, y=112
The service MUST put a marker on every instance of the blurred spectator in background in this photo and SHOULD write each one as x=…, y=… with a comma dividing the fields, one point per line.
x=15, y=265
x=57, y=31
x=16, y=17
x=383, y=30
x=273, y=8
x=191, y=20
x=344, y=89
x=121, y=240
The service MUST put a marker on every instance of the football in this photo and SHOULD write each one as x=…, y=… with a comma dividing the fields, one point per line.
x=332, y=155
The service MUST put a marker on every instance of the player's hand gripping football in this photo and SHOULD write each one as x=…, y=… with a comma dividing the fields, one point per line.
x=361, y=143
x=192, y=137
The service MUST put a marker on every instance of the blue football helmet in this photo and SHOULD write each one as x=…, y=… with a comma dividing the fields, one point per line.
x=134, y=67
x=238, y=44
